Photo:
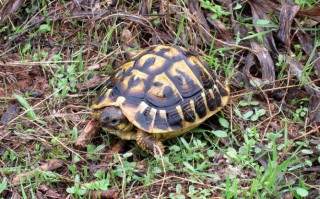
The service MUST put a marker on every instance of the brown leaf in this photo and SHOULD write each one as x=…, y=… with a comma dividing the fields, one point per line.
x=312, y=13
x=93, y=82
x=107, y=194
x=49, y=193
x=246, y=70
x=53, y=194
x=200, y=19
x=266, y=62
x=266, y=5
x=257, y=14
x=40, y=195
x=307, y=45
x=314, y=109
x=128, y=43
x=296, y=69
x=10, y=114
x=314, y=105
x=10, y=7
x=223, y=32
x=287, y=14
x=145, y=7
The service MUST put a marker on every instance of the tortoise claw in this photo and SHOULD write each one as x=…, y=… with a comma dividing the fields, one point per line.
x=149, y=143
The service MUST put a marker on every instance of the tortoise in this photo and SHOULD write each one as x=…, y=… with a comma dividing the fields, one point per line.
x=160, y=93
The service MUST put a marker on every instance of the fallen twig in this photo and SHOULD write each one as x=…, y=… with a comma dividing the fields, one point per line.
x=49, y=166
x=87, y=134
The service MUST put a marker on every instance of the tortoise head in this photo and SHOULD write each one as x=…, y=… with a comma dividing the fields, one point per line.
x=111, y=118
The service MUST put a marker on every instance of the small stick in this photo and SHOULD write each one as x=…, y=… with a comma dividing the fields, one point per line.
x=87, y=134
x=49, y=166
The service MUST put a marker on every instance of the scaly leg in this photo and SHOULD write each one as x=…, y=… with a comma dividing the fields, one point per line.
x=149, y=143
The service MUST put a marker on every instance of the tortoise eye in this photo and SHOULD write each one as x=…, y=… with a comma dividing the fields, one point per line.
x=114, y=121
x=119, y=74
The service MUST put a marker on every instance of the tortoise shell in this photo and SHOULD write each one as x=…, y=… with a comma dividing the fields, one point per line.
x=164, y=89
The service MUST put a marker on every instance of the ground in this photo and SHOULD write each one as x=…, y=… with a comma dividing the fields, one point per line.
x=55, y=57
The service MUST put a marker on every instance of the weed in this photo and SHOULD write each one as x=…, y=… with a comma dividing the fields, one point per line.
x=3, y=185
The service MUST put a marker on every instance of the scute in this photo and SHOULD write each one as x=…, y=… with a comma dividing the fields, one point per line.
x=160, y=121
x=165, y=90
x=200, y=105
x=174, y=120
x=162, y=92
x=188, y=111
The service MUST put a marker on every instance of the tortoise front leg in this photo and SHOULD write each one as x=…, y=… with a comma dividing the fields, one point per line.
x=149, y=143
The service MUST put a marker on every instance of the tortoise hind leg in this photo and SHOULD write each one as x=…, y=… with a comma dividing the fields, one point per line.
x=149, y=143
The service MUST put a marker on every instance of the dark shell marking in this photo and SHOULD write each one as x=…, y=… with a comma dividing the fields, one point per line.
x=165, y=89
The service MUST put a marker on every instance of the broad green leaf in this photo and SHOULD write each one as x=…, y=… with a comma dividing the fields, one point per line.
x=211, y=153
x=220, y=134
x=262, y=22
x=26, y=48
x=248, y=103
x=30, y=113
x=237, y=7
x=44, y=28
x=243, y=103
x=254, y=118
x=3, y=185
x=247, y=115
x=225, y=123
x=260, y=112
x=127, y=155
x=273, y=135
x=232, y=152
x=174, y=148
x=76, y=159
x=189, y=166
x=302, y=192
x=237, y=112
x=307, y=151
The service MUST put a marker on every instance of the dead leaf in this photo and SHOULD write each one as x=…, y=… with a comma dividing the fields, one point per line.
x=313, y=13
x=249, y=62
x=266, y=62
x=92, y=83
x=200, y=19
x=258, y=14
x=10, y=7
x=10, y=114
x=223, y=32
x=307, y=44
x=107, y=194
x=296, y=69
x=287, y=13
x=314, y=109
